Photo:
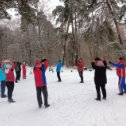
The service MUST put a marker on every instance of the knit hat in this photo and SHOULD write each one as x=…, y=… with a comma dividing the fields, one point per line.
x=120, y=58
x=43, y=60
x=97, y=58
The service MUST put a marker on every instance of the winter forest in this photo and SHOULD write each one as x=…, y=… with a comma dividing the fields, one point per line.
x=62, y=62
x=75, y=28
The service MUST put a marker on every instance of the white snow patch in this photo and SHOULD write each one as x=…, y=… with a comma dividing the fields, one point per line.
x=72, y=103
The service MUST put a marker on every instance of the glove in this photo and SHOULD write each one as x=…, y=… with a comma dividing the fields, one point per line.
x=110, y=62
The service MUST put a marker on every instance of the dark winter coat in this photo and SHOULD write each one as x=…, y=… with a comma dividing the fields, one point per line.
x=100, y=73
x=17, y=66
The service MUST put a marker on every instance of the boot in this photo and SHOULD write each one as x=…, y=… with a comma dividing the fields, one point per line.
x=97, y=99
x=46, y=106
x=120, y=93
x=3, y=96
x=11, y=101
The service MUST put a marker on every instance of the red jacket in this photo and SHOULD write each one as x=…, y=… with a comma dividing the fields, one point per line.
x=24, y=67
x=121, y=72
x=24, y=70
x=39, y=73
x=80, y=65
x=10, y=74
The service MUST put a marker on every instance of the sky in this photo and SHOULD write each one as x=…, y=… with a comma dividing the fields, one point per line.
x=53, y=3
x=49, y=6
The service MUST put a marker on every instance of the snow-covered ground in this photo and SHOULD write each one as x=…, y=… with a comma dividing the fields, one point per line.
x=72, y=103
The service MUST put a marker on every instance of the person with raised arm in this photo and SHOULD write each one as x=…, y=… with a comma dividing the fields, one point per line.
x=100, y=78
x=40, y=81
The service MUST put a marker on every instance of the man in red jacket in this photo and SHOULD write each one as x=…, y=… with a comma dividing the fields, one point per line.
x=40, y=81
x=122, y=75
x=80, y=68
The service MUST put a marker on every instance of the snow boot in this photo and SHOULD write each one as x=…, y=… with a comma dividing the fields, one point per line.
x=97, y=99
x=11, y=101
x=46, y=106
x=120, y=94
x=3, y=96
x=104, y=98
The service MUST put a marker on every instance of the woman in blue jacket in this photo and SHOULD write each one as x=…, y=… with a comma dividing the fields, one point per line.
x=58, y=69
x=3, y=83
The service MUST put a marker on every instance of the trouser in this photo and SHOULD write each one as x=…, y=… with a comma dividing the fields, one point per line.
x=102, y=87
x=121, y=84
x=3, y=85
x=24, y=74
x=18, y=74
x=10, y=87
x=58, y=75
x=81, y=75
x=45, y=95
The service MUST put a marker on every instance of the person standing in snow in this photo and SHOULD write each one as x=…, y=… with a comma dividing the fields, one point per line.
x=121, y=73
x=40, y=81
x=3, y=82
x=100, y=77
x=18, y=71
x=80, y=68
x=58, y=69
x=9, y=71
x=24, y=70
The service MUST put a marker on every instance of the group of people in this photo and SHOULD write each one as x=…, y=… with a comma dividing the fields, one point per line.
x=100, y=78
x=80, y=68
x=7, y=77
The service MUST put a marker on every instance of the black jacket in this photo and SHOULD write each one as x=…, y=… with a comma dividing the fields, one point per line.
x=100, y=74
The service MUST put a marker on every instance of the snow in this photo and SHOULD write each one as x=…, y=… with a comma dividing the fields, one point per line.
x=72, y=103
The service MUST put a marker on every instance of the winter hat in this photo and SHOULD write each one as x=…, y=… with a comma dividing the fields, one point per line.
x=97, y=58
x=100, y=63
x=43, y=60
x=120, y=58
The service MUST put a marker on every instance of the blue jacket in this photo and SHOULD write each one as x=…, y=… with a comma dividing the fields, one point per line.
x=122, y=69
x=118, y=65
x=59, y=66
x=2, y=75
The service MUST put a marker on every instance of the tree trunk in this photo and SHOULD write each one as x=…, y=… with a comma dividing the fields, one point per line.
x=115, y=21
x=65, y=43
